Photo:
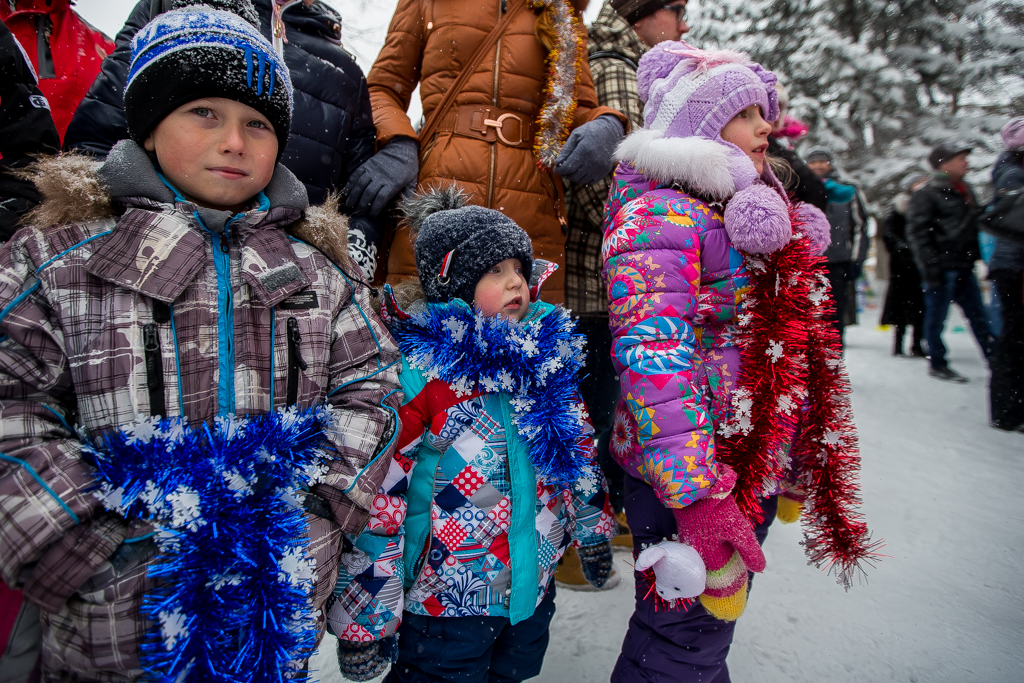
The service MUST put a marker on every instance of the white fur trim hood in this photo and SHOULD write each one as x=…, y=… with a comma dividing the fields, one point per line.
x=696, y=162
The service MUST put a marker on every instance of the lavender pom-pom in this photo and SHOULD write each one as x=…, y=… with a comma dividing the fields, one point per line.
x=757, y=220
x=815, y=226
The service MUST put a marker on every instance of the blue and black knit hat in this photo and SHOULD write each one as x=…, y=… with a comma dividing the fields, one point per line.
x=200, y=50
x=456, y=244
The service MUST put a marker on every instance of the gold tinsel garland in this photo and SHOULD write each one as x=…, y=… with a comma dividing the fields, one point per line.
x=559, y=30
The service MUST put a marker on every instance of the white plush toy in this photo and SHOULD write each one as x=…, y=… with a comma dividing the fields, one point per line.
x=678, y=570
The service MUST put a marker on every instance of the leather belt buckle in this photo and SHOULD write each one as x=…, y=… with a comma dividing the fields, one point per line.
x=479, y=127
x=499, y=128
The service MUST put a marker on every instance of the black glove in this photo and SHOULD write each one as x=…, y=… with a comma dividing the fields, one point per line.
x=596, y=562
x=359, y=661
x=587, y=155
x=383, y=176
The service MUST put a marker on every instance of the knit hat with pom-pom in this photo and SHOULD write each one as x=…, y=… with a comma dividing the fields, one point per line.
x=205, y=49
x=689, y=96
x=456, y=244
x=688, y=91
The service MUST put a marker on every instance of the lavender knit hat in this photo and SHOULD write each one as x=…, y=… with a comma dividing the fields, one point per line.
x=691, y=92
x=689, y=96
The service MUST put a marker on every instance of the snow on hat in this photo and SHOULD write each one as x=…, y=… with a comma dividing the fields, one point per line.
x=1013, y=134
x=456, y=244
x=689, y=96
x=200, y=51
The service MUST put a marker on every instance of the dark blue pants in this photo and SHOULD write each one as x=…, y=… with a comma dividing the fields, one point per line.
x=958, y=286
x=599, y=388
x=472, y=649
x=672, y=645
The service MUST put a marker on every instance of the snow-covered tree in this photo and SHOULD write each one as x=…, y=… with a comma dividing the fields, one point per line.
x=881, y=81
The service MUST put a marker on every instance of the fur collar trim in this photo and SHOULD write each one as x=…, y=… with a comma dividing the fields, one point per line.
x=699, y=164
x=74, y=192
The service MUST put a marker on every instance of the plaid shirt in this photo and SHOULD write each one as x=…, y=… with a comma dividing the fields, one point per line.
x=615, y=82
x=74, y=301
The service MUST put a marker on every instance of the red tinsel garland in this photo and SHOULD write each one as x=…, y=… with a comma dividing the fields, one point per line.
x=792, y=408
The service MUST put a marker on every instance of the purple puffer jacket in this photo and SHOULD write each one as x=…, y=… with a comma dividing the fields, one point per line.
x=675, y=286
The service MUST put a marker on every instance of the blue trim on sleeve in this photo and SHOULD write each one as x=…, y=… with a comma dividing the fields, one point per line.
x=31, y=470
x=394, y=435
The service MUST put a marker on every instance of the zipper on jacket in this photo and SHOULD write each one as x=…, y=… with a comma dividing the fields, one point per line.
x=154, y=370
x=225, y=323
x=494, y=102
x=295, y=362
x=44, y=27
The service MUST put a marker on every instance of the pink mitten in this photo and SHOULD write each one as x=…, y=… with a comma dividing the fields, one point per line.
x=724, y=539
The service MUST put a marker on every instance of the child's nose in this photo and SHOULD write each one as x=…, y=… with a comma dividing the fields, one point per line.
x=234, y=139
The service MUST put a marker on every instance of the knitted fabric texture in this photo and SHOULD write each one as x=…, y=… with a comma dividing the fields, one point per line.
x=196, y=52
x=725, y=540
x=688, y=91
x=457, y=244
x=242, y=8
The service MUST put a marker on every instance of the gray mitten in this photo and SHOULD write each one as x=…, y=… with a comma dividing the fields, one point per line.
x=596, y=562
x=587, y=155
x=359, y=661
x=383, y=176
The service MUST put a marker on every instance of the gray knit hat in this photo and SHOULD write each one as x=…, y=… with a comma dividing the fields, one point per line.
x=456, y=244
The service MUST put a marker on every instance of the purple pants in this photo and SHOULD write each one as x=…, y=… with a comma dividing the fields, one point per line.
x=677, y=646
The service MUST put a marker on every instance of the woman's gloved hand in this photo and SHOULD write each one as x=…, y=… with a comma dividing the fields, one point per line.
x=587, y=154
x=724, y=539
x=364, y=661
x=383, y=176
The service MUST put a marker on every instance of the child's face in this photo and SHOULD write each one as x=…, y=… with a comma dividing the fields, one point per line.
x=749, y=131
x=218, y=152
x=503, y=290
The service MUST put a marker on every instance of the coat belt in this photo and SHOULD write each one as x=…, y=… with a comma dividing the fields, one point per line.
x=491, y=124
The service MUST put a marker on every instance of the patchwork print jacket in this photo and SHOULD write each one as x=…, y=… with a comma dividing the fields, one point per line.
x=675, y=288
x=143, y=305
x=460, y=509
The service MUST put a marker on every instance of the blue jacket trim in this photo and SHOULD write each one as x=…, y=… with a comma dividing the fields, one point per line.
x=39, y=480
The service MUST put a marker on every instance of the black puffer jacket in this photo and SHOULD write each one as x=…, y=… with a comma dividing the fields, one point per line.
x=26, y=129
x=942, y=228
x=332, y=125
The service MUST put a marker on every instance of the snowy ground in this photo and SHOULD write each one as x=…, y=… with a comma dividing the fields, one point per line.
x=940, y=486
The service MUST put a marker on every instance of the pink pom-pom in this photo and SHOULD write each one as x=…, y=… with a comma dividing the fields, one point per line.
x=757, y=220
x=815, y=225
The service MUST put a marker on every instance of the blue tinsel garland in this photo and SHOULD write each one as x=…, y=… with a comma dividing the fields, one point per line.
x=537, y=362
x=233, y=582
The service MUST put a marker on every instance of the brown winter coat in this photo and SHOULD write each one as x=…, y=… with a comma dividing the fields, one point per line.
x=78, y=290
x=427, y=42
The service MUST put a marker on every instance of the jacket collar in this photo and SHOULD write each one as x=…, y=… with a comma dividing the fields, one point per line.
x=158, y=246
x=612, y=33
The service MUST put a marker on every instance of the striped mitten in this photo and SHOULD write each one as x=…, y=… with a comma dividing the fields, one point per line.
x=724, y=539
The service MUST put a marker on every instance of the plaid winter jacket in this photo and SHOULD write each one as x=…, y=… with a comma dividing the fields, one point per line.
x=463, y=525
x=615, y=50
x=122, y=300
